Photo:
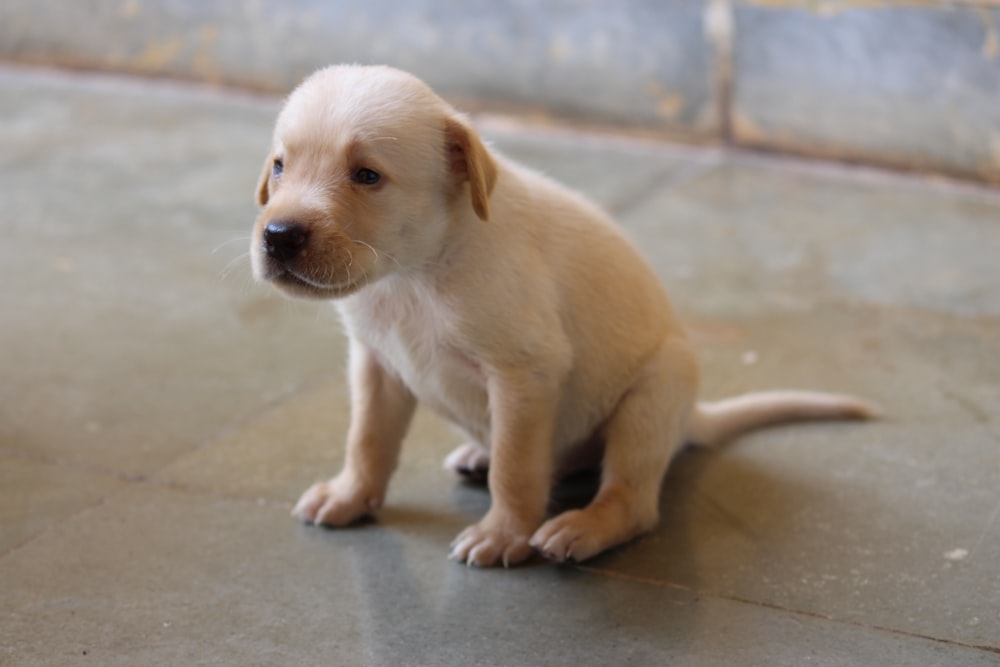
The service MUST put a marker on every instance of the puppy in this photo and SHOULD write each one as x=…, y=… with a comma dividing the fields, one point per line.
x=506, y=303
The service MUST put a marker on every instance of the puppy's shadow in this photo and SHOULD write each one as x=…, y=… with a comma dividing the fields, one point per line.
x=709, y=497
x=575, y=491
x=472, y=495
x=722, y=512
x=728, y=522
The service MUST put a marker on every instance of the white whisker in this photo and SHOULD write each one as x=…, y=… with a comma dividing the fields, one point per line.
x=367, y=245
x=240, y=239
x=232, y=264
x=376, y=253
x=348, y=266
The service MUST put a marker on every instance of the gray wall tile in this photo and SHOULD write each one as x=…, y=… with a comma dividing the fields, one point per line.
x=911, y=86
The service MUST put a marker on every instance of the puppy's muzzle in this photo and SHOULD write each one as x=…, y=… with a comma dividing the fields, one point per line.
x=284, y=241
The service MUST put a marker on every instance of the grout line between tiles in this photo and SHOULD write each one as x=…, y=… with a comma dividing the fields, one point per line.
x=610, y=574
x=990, y=522
x=237, y=424
x=130, y=480
x=664, y=180
x=73, y=464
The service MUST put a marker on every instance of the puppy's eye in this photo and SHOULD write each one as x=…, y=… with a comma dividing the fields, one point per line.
x=366, y=177
x=277, y=167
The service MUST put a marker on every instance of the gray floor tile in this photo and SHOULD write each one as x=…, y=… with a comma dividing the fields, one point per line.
x=216, y=581
x=791, y=235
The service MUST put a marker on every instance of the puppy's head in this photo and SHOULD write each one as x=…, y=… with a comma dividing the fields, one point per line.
x=367, y=174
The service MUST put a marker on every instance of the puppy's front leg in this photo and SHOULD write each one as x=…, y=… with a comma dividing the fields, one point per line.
x=381, y=410
x=522, y=412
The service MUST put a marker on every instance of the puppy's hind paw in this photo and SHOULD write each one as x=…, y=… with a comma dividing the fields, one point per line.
x=469, y=462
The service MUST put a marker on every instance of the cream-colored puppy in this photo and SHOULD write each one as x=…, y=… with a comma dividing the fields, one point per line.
x=508, y=304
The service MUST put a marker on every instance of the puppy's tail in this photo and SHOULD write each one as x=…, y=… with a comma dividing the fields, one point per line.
x=719, y=421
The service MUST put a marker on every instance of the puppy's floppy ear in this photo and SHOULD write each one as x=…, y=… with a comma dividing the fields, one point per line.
x=262, y=191
x=469, y=160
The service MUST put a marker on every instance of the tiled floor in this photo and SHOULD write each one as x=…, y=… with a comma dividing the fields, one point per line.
x=159, y=413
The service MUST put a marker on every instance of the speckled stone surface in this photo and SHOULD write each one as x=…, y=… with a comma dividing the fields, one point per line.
x=159, y=413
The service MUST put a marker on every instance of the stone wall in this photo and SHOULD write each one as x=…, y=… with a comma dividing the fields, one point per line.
x=911, y=85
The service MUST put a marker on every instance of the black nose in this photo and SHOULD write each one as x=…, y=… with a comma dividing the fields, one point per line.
x=284, y=240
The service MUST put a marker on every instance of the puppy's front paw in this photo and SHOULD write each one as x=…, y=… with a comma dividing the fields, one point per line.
x=338, y=502
x=486, y=544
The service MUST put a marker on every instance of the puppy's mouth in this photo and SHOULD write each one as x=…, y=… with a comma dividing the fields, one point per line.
x=296, y=284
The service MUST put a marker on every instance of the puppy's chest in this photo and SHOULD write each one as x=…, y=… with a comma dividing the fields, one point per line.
x=417, y=338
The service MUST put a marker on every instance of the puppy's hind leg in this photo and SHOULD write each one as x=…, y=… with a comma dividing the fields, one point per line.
x=641, y=437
